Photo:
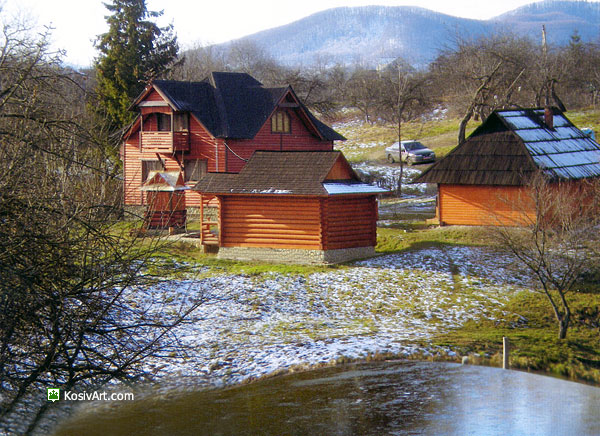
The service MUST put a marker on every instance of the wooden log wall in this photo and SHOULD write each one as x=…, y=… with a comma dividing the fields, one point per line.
x=484, y=205
x=349, y=221
x=270, y=221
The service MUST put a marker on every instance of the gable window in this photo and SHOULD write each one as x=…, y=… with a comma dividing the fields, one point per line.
x=194, y=169
x=181, y=122
x=163, y=122
x=280, y=123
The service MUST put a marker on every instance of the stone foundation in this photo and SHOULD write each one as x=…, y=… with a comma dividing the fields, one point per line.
x=280, y=255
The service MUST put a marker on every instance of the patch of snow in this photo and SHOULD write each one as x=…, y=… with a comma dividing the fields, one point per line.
x=250, y=326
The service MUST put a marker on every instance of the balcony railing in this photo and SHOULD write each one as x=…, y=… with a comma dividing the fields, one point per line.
x=165, y=142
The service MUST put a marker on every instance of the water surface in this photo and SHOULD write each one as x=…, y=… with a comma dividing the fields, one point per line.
x=381, y=398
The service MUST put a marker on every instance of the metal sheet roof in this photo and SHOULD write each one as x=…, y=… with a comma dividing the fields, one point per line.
x=352, y=188
x=562, y=150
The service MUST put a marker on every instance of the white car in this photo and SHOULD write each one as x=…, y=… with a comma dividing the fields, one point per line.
x=413, y=152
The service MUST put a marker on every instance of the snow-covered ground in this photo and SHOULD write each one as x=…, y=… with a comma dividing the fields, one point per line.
x=250, y=326
x=389, y=173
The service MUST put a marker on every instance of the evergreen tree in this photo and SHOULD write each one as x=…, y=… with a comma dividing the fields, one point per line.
x=134, y=50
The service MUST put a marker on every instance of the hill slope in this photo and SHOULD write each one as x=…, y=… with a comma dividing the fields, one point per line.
x=378, y=34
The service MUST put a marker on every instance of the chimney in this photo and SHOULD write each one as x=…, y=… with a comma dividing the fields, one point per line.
x=549, y=117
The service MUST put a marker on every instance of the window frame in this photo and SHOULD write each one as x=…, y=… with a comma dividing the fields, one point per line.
x=198, y=165
x=146, y=171
x=184, y=119
x=163, y=122
x=281, y=122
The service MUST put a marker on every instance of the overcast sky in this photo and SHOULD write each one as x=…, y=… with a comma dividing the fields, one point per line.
x=76, y=23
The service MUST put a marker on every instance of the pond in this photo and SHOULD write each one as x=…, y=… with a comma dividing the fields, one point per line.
x=380, y=398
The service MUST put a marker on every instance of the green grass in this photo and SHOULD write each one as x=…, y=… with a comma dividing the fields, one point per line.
x=418, y=235
x=586, y=118
x=527, y=319
x=186, y=253
x=533, y=335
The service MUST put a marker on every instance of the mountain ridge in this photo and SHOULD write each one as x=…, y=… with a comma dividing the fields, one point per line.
x=375, y=35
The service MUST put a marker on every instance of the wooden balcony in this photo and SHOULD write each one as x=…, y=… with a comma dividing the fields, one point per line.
x=165, y=142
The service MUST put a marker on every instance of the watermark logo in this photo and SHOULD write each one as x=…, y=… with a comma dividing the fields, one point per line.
x=53, y=394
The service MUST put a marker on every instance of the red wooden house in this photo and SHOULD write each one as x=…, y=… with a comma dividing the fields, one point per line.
x=213, y=126
x=267, y=183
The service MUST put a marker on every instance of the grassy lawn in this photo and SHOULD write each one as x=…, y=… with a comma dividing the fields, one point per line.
x=532, y=332
x=530, y=326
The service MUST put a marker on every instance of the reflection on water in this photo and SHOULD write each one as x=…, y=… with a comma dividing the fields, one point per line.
x=382, y=398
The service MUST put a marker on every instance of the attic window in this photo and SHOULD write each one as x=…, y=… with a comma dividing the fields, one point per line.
x=280, y=123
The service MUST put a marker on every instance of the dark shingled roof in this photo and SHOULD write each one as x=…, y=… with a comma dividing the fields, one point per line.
x=276, y=172
x=511, y=145
x=232, y=105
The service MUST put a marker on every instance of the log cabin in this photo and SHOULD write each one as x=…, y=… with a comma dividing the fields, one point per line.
x=212, y=126
x=485, y=180
x=299, y=207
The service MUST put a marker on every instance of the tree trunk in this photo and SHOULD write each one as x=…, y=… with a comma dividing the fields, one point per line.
x=399, y=188
x=563, y=326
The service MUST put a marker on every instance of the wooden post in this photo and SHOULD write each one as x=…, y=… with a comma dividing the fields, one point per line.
x=505, y=353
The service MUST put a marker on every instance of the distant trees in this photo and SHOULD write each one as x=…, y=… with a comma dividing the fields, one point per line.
x=133, y=51
x=471, y=79
x=66, y=262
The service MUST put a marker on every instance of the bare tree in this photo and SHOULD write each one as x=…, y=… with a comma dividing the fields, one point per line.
x=557, y=240
x=198, y=62
x=363, y=92
x=484, y=74
x=406, y=95
x=67, y=264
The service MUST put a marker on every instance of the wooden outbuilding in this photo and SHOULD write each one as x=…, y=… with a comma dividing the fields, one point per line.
x=165, y=198
x=307, y=207
x=484, y=180
x=215, y=125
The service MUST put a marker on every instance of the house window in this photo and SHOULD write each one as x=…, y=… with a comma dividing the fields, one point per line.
x=194, y=169
x=280, y=123
x=148, y=166
x=163, y=122
x=181, y=122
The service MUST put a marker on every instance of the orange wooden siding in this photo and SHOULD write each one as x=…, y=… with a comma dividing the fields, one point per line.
x=484, y=205
x=278, y=222
x=202, y=146
x=153, y=96
x=298, y=223
x=349, y=222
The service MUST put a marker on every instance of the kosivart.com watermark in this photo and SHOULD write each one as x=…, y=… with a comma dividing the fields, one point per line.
x=54, y=394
